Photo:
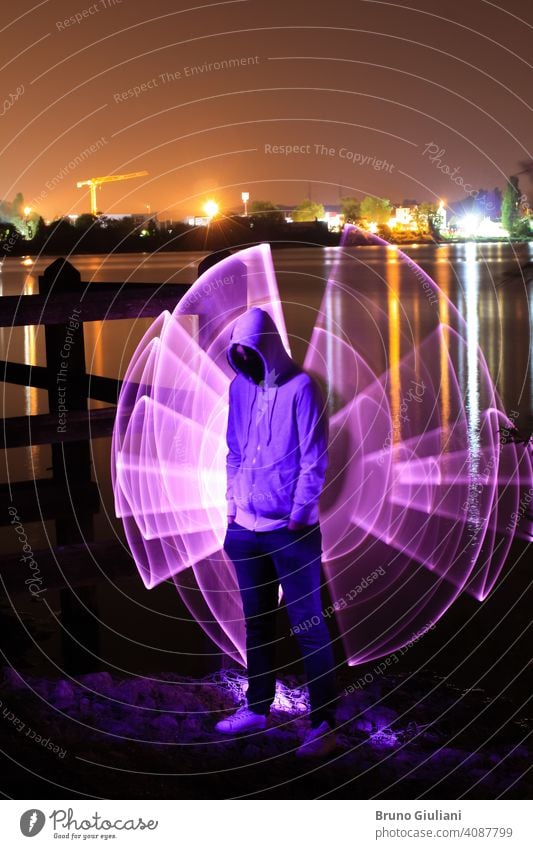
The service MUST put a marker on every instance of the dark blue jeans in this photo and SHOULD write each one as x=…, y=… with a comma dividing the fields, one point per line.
x=262, y=561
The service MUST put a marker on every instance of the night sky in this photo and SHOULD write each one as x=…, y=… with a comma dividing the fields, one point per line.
x=371, y=84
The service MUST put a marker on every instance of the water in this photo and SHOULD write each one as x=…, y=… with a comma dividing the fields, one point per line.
x=484, y=282
x=476, y=278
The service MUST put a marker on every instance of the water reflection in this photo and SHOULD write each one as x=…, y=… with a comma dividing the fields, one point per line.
x=496, y=308
x=472, y=404
x=393, y=298
x=31, y=397
x=444, y=319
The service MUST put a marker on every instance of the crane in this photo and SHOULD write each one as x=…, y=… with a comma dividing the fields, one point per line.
x=93, y=182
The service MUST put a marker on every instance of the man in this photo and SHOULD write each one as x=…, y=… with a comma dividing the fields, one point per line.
x=277, y=436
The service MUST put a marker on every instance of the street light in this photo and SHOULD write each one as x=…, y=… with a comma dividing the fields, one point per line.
x=442, y=215
x=27, y=213
x=245, y=198
x=211, y=208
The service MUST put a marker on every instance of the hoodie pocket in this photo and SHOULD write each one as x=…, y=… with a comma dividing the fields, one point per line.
x=272, y=494
x=242, y=484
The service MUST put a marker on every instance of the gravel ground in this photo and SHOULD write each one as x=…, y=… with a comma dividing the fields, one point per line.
x=403, y=736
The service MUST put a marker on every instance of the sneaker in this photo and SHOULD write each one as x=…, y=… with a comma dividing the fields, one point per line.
x=319, y=741
x=243, y=719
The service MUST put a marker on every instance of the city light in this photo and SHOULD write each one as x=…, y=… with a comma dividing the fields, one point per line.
x=27, y=213
x=211, y=208
x=469, y=224
x=489, y=229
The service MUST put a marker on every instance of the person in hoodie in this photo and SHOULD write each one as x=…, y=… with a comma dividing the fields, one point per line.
x=277, y=436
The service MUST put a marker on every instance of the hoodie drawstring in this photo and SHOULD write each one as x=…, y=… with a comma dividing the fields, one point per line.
x=250, y=407
x=270, y=416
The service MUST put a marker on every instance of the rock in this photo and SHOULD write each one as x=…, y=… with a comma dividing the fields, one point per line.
x=128, y=691
x=363, y=724
x=165, y=726
x=85, y=706
x=147, y=701
x=63, y=694
x=11, y=678
x=169, y=695
x=119, y=728
x=190, y=725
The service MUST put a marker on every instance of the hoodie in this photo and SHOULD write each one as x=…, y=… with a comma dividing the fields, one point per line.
x=277, y=434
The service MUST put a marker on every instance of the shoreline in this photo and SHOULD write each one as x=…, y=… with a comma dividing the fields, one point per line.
x=287, y=244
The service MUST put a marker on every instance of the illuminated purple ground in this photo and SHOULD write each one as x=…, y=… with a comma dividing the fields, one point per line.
x=402, y=735
x=419, y=482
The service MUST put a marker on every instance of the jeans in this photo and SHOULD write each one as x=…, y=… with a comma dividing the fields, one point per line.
x=262, y=561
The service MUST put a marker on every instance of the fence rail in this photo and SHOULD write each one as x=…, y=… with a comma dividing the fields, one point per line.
x=70, y=498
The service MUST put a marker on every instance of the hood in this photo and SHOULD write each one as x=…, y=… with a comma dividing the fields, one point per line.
x=256, y=329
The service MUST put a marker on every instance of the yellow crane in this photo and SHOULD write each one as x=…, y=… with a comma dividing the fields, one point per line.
x=94, y=182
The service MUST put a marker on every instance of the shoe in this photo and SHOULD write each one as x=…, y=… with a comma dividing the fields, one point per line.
x=319, y=742
x=243, y=719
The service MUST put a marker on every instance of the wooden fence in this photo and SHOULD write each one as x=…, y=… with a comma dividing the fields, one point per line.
x=69, y=498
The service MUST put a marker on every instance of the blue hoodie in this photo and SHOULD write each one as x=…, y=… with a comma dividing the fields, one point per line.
x=277, y=434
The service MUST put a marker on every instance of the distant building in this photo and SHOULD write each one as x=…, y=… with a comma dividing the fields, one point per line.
x=334, y=217
x=404, y=215
x=138, y=219
x=404, y=218
x=196, y=220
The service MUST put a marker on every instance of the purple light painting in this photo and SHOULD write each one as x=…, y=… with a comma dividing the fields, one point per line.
x=421, y=497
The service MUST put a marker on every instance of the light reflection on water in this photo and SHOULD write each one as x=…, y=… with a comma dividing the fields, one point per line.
x=472, y=384
x=444, y=319
x=393, y=280
x=497, y=312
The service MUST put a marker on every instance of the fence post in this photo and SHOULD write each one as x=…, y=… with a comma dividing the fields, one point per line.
x=71, y=461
